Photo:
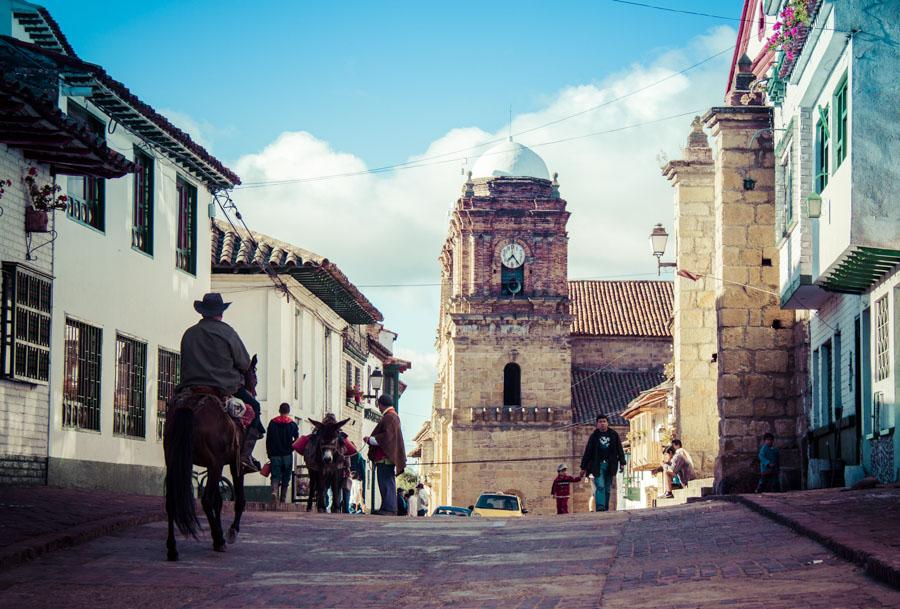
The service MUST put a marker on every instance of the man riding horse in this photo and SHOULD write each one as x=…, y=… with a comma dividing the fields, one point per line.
x=213, y=357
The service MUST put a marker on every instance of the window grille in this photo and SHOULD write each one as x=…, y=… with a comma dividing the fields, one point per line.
x=349, y=376
x=142, y=212
x=129, y=405
x=168, y=377
x=87, y=195
x=822, y=150
x=25, y=349
x=186, y=248
x=840, y=124
x=788, y=195
x=81, y=378
x=882, y=340
x=827, y=393
x=356, y=380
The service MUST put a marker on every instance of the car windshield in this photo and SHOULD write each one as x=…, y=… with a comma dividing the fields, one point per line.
x=451, y=511
x=498, y=502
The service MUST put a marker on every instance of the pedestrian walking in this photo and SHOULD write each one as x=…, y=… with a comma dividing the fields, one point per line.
x=603, y=458
x=387, y=452
x=423, y=498
x=769, y=466
x=562, y=488
x=280, y=435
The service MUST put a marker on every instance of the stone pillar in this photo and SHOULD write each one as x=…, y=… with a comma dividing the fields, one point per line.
x=755, y=337
x=694, y=345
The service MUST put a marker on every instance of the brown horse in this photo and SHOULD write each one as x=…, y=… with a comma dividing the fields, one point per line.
x=324, y=457
x=198, y=432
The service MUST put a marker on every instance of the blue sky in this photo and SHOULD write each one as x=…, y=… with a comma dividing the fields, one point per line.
x=379, y=79
x=300, y=89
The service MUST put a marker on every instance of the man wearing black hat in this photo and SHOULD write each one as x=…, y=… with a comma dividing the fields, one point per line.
x=213, y=355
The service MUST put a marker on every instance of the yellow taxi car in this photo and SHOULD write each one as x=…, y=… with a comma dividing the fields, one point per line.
x=499, y=505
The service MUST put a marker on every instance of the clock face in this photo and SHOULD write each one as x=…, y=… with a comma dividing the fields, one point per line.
x=512, y=255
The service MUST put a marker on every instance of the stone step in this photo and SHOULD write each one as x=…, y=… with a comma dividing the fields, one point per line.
x=695, y=491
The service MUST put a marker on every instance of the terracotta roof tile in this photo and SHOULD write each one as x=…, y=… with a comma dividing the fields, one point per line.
x=621, y=308
x=609, y=392
x=233, y=254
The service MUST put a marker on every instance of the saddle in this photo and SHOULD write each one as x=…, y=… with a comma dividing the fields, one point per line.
x=193, y=397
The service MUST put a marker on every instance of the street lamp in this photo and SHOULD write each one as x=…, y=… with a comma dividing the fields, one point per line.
x=375, y=381
x=814, y=205
x=658, y=239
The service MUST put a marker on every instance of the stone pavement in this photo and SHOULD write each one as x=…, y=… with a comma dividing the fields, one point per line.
x=700, y=556
x=40, y=519
x=862, y=526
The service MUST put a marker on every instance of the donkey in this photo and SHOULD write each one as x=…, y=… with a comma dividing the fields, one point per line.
x=324, y=457
x=197, y=431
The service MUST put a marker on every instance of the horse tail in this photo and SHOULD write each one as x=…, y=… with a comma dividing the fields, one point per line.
x=179, y=473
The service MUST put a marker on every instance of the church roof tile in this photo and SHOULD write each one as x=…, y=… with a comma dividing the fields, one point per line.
x=609, y=392
x=621, y=308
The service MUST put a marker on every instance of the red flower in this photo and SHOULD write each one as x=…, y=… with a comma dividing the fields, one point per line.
x=32, y=171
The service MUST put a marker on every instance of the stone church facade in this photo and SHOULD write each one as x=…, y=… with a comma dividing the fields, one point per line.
x=527, y=359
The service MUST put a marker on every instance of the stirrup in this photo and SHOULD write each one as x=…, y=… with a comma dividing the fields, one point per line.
x=248, y=466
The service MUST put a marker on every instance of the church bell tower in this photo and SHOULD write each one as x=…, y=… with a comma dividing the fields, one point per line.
x=505, y=364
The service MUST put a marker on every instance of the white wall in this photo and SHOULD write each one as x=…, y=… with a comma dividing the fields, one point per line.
x=23, y=407
x=103, y=281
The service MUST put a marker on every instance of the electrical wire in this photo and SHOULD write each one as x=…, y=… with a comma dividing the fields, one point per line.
x=700, y=14
x=419, y=162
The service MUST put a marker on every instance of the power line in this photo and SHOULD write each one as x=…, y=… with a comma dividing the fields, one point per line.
x=702, y=14
x=451, y=160
x=422, y=161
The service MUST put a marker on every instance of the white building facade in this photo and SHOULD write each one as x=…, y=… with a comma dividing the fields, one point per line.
x=129, y=256
x=838, y=230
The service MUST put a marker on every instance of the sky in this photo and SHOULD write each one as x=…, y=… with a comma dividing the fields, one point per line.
x=283, y=91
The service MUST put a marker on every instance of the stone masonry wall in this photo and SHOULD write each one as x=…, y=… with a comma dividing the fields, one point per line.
x=694, y=344
x=24, y=408
x=755, y=337
x=622, y=353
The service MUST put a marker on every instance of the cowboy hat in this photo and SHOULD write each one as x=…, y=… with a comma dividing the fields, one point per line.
x=211, y=305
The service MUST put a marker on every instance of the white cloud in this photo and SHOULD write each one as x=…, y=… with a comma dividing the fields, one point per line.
x=202, y=132
x=389, y=227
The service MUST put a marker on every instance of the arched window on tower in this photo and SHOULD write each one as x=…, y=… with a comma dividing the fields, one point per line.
x=512, y=385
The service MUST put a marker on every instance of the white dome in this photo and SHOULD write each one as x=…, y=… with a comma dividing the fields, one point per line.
x=510, y=159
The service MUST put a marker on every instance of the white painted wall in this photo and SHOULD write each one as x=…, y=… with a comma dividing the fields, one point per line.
x=24, y=407
x=103, y=281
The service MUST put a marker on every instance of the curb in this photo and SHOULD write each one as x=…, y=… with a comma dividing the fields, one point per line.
x=871, y=565
x=22, y=552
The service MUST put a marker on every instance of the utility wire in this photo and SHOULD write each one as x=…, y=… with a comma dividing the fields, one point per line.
x=419, y=162
x=251, y=185
x=699, y=13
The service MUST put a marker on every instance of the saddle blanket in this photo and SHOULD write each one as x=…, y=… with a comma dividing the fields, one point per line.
x=240, y=411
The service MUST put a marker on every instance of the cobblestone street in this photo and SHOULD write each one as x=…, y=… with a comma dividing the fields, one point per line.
x=708, y=555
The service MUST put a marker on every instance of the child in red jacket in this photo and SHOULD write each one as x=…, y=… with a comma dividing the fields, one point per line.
x=562, y=489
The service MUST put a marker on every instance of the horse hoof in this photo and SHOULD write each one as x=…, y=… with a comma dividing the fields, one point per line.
x=172, y=556
x=220, y=548
x=232, y=535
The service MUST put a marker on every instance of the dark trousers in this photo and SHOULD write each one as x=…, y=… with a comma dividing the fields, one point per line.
x=562, y=505
x=345, y=503
x=769, y=484
x=387, y=486
x=244, y=395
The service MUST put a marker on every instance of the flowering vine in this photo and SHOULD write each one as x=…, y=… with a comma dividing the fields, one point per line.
x=789, y=29
x=44, y=197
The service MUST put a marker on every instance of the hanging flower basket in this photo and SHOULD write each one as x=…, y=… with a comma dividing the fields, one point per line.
x=44, y=197
x=791, y=29
x=36, y=220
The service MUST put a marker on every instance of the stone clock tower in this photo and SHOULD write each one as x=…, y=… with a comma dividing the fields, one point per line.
x=503, y=399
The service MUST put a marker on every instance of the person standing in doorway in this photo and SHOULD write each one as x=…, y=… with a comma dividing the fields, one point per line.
x=603, y=458
x=280, y=435
x=387, y=452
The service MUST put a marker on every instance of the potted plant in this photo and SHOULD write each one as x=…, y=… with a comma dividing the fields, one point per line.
x=790, y=29
x=44, y=198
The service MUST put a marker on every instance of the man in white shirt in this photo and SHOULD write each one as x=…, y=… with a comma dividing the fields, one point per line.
x=422, y=499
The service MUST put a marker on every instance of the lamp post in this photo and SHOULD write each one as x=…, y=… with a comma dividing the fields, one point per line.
x=375, y=381
x=658, y=239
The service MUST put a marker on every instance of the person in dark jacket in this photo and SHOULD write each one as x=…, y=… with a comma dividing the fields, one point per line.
x=603, y=458
x=280, y=436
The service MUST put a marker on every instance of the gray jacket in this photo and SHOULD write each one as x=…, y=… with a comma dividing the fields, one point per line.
x=213, y=355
